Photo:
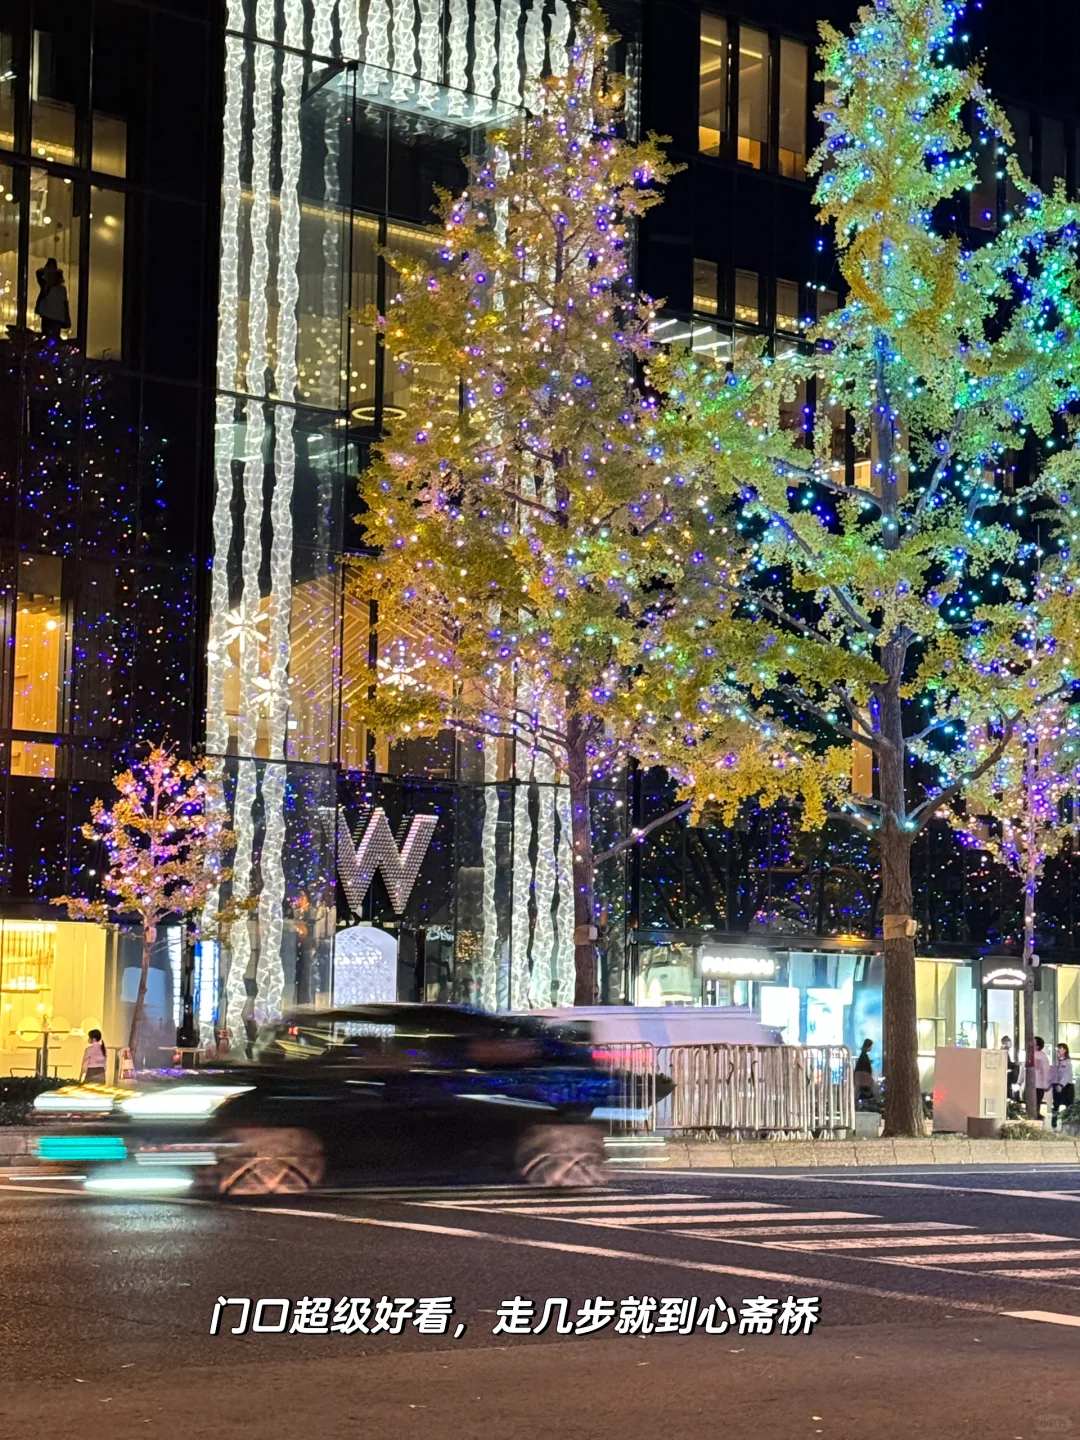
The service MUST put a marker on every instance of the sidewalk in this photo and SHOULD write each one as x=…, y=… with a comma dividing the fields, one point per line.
x=775, y=1154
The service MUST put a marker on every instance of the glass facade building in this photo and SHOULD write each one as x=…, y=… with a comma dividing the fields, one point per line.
x=224, y=185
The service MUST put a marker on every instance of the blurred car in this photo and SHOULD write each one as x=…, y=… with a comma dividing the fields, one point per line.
x=360, y=1095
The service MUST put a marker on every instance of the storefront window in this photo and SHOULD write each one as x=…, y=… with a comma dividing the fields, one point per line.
x=1068, y=1007
x=364, y=299
x=105, y=303
x=39, y=633
x=793, y=87
x=52, y=980
x=712, y=84
x=946, y=1011
x=753, y=95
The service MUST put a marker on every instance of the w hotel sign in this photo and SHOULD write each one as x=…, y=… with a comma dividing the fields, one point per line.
x=373, y=847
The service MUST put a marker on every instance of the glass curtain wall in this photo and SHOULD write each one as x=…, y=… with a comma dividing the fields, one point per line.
x=338, y=125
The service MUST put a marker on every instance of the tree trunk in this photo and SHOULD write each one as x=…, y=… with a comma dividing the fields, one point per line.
x=1031, y=1099
x=585, y=960
x=149, y=938
x=903, y=1093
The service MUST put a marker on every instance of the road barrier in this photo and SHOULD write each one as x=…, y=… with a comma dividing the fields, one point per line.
x=745, y=1090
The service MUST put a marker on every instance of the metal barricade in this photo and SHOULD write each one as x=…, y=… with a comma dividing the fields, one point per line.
x=737, y=1090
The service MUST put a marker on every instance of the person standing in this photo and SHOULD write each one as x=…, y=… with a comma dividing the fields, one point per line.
x=94, y=1060
x=1042, y=1073
x=1061, y=1083
x=52, y=303
x=864, y=1073
x=1012, y=1067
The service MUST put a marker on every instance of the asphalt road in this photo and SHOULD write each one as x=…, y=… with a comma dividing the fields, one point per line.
x=949, y=1306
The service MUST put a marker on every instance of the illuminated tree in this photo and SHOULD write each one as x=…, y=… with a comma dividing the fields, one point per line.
x=165, y=839
x=538, y=563
x=882, y=613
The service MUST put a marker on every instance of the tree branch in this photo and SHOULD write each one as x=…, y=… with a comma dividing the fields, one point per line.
x=637, y=836
x=924, y=813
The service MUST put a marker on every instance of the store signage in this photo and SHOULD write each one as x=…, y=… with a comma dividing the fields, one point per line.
x=733, y=965
x=374, y=849
x=1002, y=975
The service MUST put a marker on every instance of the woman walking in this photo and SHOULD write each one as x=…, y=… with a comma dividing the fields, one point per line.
x=94, y=1059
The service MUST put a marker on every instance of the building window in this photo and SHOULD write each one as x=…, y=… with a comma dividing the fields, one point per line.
x=793, y=94
x=52, y=114
x=747, y=301
x=712, y=84
x=105, y=299
x=9, y=249
x=788, y=314
x=39, y=635
x=706, y=282
x=753, y=96
x=827, y=302
x=55, y=225
x=7, y=91
x=1052, y=158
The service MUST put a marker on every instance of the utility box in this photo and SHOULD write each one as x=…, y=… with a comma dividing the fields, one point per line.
x=968, y=1084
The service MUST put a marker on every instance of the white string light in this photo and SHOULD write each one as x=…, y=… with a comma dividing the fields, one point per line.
x=544, y=888
x=430, y=46
x=404, y=16
x=509, y=52
x=522, y=882
x=565, y=977
x=485, y=56
x=489, y=944
x=457, y=38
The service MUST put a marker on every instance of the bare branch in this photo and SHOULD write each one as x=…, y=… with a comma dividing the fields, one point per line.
x=637, y=836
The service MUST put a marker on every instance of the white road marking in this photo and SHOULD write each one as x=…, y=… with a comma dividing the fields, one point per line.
x=636, y=1222
x=556, y=1206
x=902, y=1242
x=926, y=1185
x=889, y=1227
x=807, y=1283
x=1036, y=1272
x=985, y=1257
x=1049, y=1317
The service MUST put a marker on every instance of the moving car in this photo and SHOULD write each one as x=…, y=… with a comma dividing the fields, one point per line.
x=359, y=1095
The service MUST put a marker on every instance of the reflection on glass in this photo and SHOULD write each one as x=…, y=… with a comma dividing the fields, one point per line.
x=747, y=304
x=9, y=249
x=39, y=633
x=753, y=95
x=706, y=281
x=53, y=118
x=105, y=301
x=787, y=305
x=364, y=298
x=54, y=235
x=7, y=91
x=110, y=145
x=712, y=83
x=793, y=82
x=411, y=242
x=1052, y=161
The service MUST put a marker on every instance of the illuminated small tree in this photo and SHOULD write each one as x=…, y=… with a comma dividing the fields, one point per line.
x=165, y=839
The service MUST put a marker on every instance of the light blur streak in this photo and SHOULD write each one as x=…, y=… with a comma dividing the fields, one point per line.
x=138, y=1184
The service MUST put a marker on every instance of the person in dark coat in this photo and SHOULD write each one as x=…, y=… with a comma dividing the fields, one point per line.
x=864, y=1073
x=52, y=303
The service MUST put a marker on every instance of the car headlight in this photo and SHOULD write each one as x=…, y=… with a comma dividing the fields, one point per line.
x=185, y=1102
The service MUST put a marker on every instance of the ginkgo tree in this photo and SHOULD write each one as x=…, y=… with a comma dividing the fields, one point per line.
x=877, y=609
x=539, y=563
x=165, y=837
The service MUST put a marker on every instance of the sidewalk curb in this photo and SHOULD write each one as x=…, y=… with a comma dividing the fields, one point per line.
x=859, y=1154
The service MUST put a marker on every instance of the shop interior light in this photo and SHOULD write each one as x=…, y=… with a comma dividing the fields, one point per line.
x=183, y=1102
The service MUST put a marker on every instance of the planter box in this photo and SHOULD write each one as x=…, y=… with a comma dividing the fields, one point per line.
x=867, y=1125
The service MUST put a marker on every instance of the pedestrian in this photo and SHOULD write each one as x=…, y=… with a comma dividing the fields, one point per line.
x=1012, y=1067
x=93, y=1060
x=52, y=303
x=1061, y=1083
x=1042, y=1072
x=864, y=1073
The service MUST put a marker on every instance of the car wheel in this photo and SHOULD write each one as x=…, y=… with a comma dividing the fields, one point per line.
x=269, y=1161
x=562, y=1155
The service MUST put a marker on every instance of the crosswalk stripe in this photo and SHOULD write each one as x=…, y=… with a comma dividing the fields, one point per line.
x=1036, y=1272
x=985, y=1257
x=557, y=1205
x=902, y=1242
x=735, y=1210
x=635, y=1222
x=719, y=1232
